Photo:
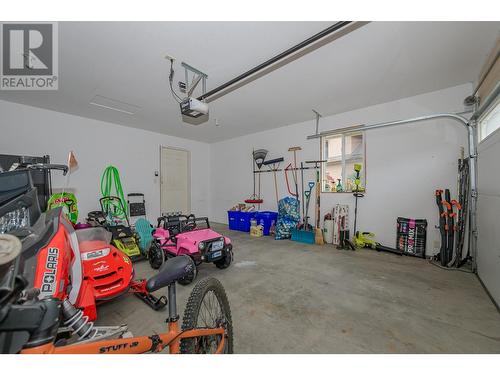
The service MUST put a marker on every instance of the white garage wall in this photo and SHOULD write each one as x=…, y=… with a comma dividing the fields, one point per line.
x=32, y=131
x=405, y=164
x=488, y=225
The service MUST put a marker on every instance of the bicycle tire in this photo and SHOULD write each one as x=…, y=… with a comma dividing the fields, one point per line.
x=192, y=319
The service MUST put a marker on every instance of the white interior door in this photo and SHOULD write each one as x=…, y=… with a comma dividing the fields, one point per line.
x=175, y=180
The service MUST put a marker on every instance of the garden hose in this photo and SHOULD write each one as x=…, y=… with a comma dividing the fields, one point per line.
x=111, y=177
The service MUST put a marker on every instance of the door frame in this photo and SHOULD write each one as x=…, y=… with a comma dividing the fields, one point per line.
x=189, y=175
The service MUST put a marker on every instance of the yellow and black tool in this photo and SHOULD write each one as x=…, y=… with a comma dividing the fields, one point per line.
x=367, y=240
x=357, y=192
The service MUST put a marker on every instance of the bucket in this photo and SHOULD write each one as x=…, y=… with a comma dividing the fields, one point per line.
x=328, y=231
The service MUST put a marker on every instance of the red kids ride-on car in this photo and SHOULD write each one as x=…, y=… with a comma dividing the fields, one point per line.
x=188, y=235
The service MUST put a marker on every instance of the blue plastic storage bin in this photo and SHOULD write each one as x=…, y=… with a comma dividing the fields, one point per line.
x=266, y=218
x=245, y=218
x=233, y=218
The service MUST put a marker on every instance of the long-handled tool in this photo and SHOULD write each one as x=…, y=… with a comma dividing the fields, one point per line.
x=294, y=150
x=357, y=194
x=302, y=185
x=258, y=157
x=307, y=199
x=274, y=166
x=288, y=168
x=294, y=170
x=318, y=238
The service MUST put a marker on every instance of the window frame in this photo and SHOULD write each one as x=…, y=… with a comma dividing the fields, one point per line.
x=492, y=107
x=343, y=159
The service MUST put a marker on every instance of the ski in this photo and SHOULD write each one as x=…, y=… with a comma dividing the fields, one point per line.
x=442, y=226
x=450, y=223
x=463, y=198
x=455, y=256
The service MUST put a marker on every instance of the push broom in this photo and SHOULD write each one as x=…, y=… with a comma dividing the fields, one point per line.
x=258, y=157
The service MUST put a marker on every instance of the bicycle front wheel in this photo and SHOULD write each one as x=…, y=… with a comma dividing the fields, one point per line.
x=207, y=307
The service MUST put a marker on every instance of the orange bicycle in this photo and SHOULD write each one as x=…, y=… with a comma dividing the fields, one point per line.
x=30, y=325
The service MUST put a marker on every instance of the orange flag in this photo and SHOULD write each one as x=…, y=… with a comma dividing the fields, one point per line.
x=72, y=162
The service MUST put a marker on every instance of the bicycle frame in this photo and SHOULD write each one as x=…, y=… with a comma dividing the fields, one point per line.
x=141, y=344
x=134, y=345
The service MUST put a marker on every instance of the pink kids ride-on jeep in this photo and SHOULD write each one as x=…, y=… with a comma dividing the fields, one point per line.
x=187, y=235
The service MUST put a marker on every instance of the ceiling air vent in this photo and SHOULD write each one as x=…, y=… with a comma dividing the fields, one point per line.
x=114, y=105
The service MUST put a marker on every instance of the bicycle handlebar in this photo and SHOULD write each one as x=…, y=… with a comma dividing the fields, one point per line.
x=60, y=167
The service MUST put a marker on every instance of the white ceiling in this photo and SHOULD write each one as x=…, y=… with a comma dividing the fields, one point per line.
x=379, y=62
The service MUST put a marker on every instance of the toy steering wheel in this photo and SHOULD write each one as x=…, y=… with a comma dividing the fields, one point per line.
x=190, y=223
x=173, y=238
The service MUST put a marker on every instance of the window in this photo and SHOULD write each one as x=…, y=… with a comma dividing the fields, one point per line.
x=490, y=122
x=341, y=152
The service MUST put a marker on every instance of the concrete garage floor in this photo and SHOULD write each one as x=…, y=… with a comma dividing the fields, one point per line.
x=288, y=297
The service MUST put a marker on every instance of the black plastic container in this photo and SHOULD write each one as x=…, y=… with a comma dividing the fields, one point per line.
x=411, y=236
